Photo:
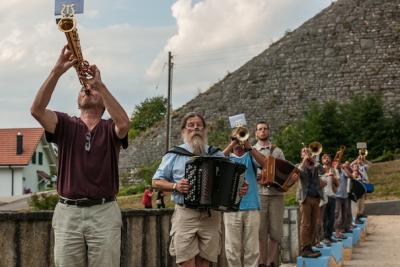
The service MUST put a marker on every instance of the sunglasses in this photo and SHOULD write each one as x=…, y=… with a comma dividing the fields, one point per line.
x=88, y=136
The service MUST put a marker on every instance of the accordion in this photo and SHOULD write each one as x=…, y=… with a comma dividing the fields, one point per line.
x=214, y=182
x=278, y=173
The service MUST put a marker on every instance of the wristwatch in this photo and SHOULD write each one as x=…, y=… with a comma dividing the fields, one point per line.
x=174, y=187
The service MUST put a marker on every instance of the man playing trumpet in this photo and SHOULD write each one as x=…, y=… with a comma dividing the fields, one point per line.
x=309, y=195
x=87, y=220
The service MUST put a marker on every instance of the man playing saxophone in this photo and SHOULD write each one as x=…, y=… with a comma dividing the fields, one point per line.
x=87, y=220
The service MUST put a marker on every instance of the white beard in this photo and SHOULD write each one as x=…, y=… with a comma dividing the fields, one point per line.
x=197, y=143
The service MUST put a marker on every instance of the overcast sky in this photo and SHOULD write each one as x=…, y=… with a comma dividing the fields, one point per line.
x=129, y=39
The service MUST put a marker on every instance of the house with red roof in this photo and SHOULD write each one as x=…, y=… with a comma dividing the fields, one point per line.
x=27, y=161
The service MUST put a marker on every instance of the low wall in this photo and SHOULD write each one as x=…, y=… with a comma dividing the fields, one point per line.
x=26, y=238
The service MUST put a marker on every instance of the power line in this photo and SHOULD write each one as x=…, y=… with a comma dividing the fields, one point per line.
x=161, y=75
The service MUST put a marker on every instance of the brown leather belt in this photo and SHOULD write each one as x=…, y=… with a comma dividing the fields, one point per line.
x=86, y=202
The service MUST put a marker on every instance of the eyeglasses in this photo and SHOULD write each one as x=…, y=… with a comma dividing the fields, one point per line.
x=88, y=136
x=192, y=126
x=262, y=129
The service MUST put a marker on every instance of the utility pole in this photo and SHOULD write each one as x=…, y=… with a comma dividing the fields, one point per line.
x=168, y=131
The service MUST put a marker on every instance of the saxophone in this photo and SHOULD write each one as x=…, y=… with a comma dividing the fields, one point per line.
x=67, y=24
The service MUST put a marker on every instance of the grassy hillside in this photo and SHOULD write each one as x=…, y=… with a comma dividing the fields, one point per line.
x=385, y=176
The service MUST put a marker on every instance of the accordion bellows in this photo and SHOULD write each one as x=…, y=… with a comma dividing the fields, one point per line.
x=215, y=183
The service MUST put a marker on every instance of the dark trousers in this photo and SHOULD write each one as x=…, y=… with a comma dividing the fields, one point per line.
x=349, y=217
x=329, y=217
x=310, y=213
x=340, y=213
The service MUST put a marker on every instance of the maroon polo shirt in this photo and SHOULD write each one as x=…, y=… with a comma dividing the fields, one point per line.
x=82, y=173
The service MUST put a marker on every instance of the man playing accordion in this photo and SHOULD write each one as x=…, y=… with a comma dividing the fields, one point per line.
x=195, y=233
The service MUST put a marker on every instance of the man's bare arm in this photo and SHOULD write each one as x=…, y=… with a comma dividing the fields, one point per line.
x=46, y=117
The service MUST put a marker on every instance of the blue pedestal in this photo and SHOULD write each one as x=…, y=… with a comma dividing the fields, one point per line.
x=361, y=226
x=337, y=251
x=355, y=235
x=348, y=243
x=322, y=261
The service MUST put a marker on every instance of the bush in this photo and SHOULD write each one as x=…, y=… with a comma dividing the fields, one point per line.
x=334, y=124
x=131, y=190
x=43, y=201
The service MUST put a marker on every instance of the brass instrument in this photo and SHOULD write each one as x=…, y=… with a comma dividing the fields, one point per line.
x=363, y=152
x=339, y=154
x=315, y=148
x=241, y=134
x=67, y=24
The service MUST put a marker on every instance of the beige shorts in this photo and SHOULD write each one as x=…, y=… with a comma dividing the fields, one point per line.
x=271, y=217
x=195, y=233
x=87, y=236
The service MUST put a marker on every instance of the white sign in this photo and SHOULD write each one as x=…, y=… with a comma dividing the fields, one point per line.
x=361, y=145
x=237, y=120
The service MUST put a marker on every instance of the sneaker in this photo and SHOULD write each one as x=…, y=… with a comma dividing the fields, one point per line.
x=309, y=253
x=332, y=240
x=318, y=245
x=340, y=236
x=327, y=242
x=358, y=221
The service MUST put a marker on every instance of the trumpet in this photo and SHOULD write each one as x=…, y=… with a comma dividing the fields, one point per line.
x=241, y=134
x=67, y=24
x=315, y=148
x=363, y=152
x=339, y=154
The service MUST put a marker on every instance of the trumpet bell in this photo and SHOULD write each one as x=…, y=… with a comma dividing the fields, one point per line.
x=363, y=152
x=315, y=148
x=240, y=133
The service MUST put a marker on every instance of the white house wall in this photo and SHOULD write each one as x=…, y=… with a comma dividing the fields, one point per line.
x=30, y=171
x=6, y=181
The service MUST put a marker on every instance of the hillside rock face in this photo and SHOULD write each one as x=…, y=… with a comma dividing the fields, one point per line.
x=351, y=47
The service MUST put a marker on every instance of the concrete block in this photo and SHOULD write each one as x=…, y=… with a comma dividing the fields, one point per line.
x=323, y=261
x=355, y=235
x=348, y=242
x=347, y=252
x=335, y=250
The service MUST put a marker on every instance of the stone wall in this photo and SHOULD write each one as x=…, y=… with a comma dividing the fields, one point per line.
x=27, y=239
x=351, y=47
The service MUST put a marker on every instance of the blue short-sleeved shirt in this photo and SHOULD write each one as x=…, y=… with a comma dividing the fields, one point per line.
x=250, y=200
x=172, y=169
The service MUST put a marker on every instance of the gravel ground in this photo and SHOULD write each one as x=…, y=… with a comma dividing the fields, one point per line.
x=382, y=247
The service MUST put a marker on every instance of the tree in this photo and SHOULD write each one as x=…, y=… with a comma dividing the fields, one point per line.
x=333, y=124
x=146, y=114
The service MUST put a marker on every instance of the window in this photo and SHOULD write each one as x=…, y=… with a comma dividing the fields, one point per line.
x=40, y=158
x=34, y=158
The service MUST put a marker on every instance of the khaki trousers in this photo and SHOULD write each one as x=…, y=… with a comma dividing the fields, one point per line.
x=241, y=235
x=361, y=205
x=310, y=215
x=87, y=236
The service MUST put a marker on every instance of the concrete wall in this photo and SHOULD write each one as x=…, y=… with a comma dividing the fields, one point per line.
x=26, y=239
